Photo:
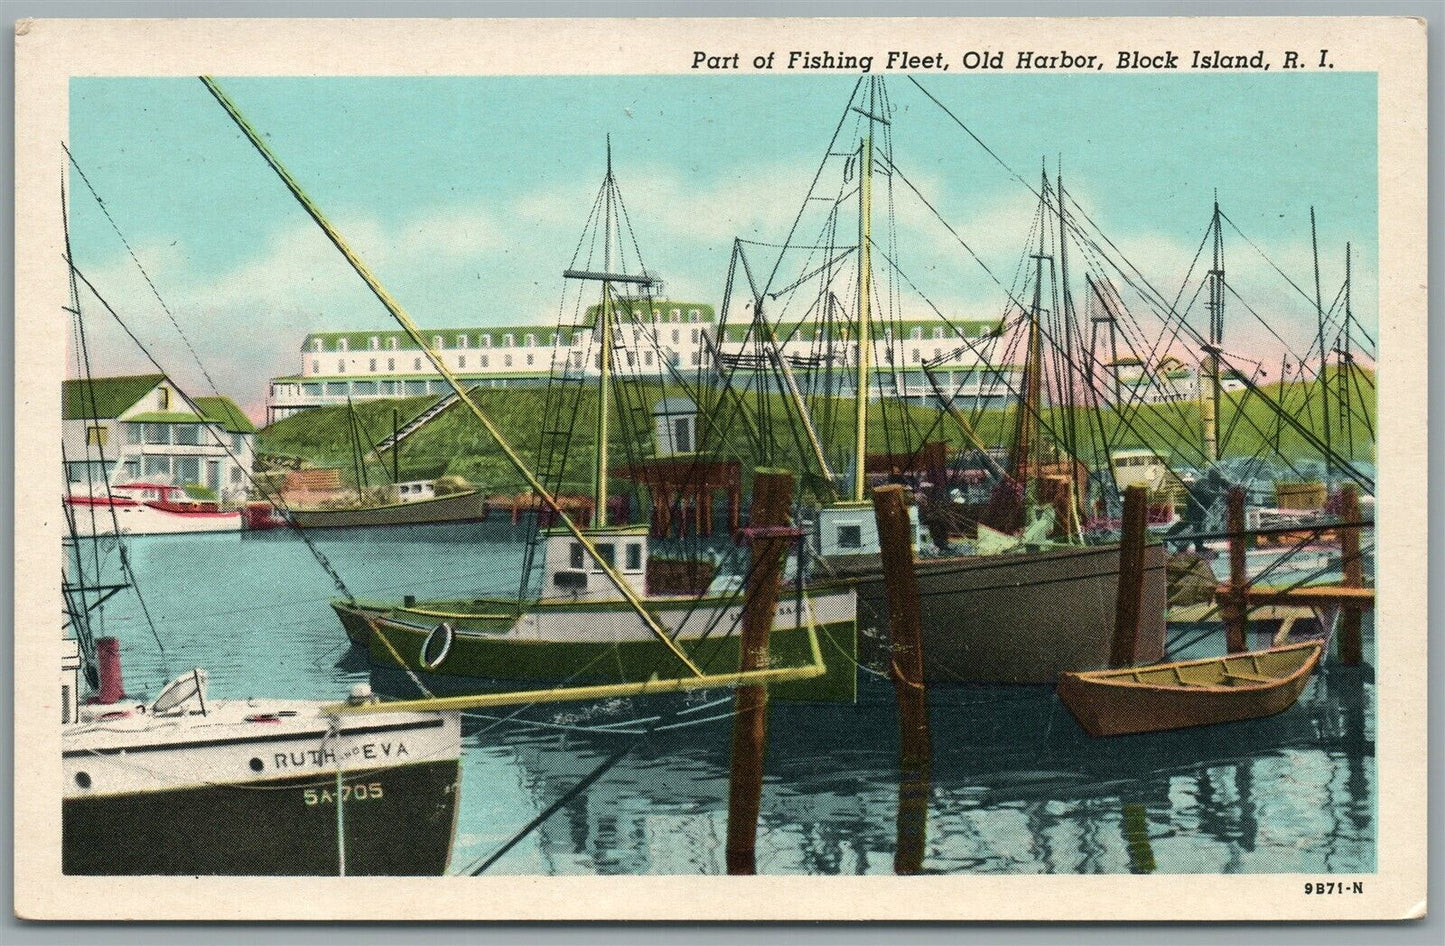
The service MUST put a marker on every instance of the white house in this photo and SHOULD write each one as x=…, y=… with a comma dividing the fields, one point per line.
x=141, y=428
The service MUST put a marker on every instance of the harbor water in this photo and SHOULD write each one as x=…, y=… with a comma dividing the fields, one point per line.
x=1015, y=785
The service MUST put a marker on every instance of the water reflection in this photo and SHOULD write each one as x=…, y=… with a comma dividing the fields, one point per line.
x=1014, y=786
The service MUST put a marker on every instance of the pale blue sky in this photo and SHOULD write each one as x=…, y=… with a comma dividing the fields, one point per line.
x=468, y=194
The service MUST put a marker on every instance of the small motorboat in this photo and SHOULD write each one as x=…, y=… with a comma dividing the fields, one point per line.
x=1187, y=693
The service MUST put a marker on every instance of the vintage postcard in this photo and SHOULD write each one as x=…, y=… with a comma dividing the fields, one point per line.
x=720, y=469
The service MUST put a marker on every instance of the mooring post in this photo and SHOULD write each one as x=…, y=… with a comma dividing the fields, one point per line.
x=905, y=637
x=1130, y=602
x=1236, y=610
x=772, y=497
x=1351, y=645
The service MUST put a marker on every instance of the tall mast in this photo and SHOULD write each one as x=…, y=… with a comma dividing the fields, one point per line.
x=1209, y=403
x=1025, y=458
x=865, y=287
x=604, y=367
x=1324, y=352
x=1347, y=367
x=1068, y=320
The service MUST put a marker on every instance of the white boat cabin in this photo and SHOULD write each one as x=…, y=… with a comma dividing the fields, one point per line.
x=1139, y=467
x=845, y=529
x=570, y=573
x=415, y=491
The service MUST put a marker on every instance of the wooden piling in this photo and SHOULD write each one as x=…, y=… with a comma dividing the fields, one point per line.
x=905, y=636
x=772, y=496
x=1351, y=645
x=1235, y=611
x=1129, y=605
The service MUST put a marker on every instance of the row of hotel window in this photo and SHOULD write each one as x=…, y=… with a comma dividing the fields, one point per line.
x=484, y=361
x=509, y=340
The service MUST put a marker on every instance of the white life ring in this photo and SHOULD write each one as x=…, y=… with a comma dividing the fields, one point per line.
x=448, y=636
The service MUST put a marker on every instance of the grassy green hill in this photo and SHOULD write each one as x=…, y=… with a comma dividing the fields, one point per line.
x=455, y=443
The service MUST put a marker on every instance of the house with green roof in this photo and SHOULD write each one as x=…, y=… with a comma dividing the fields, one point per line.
x=144, y=429
x=651, y=336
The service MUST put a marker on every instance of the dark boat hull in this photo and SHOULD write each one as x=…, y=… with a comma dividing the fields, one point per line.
x=461, y=507
x=399, y=820
x=1022, y=618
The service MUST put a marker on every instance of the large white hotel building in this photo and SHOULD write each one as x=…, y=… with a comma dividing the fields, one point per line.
x=363, y=365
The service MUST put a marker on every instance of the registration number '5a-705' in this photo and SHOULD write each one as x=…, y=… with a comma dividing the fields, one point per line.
x=360, y=792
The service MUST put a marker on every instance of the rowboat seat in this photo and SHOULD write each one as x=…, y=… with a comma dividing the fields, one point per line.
x=1249, y=677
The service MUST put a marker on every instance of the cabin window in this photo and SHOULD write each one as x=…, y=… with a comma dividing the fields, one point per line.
x=318, y=345
x=416, y=364
x=634, y=556
x=374, y=343
x=336, y=388
x=608, y=553
x=371, y=365
x=390, y=364
x=341, y=365
x=938, y=332
x=341, y=344
x=485, y=361
x=509, y=340
x=367, y=388
x=436, y=342
x=413, y=388
x=575, y=557
x=391, y=343
x=850, y=537
x=132, y=469
x=486, y=341
x=312, y=388
x=95, y=436
x=188, y=435
x=157, y=466
x=315, y=367
x=461, y=362
x=506, y=361
x=158, y=433
x=530, y=359
x=530, y=340
x=462, y=341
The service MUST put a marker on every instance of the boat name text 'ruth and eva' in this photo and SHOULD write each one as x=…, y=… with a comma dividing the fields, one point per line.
x=317, y=758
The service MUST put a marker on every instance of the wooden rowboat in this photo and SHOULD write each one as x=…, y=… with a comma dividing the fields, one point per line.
x=1189, y=692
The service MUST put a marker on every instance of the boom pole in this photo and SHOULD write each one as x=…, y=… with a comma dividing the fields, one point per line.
x=406, y=322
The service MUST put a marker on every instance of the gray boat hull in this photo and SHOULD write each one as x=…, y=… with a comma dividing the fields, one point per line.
x=1018, y=618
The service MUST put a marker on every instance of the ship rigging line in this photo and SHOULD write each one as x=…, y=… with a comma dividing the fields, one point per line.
x=316, y=553
x=144, y=275
x=1314, y=441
